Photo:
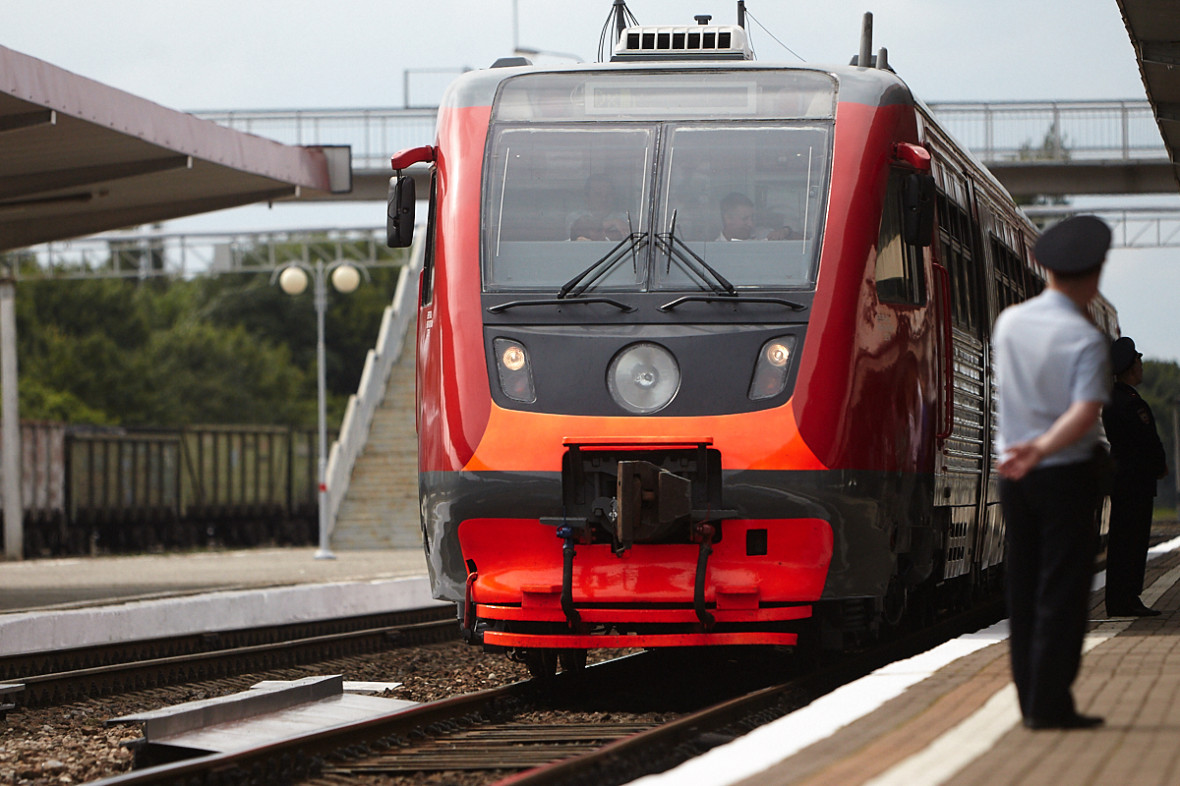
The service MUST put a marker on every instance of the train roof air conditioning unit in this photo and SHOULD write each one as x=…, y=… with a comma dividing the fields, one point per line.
x=683, y=42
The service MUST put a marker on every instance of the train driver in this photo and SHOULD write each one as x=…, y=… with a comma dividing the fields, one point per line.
x=737, y=221
x=600, y=220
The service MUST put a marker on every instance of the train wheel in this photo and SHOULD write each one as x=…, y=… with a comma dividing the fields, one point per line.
x=893, y=605
x=542, y=664
x=572, y=660
x=808, y=653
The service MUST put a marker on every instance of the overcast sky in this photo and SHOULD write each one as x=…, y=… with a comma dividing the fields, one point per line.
x=285, y=54
x=272, y=54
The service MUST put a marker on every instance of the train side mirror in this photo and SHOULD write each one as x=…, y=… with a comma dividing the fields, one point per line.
x=917, y=199
x=399, y=217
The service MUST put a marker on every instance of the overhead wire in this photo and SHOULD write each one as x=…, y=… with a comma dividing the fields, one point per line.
x=772, y=35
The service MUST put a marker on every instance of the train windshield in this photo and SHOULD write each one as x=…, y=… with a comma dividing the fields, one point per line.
x=640, y=178
x=745, y=199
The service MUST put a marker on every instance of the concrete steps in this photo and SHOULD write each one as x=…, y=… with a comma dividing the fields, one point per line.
x=380, y=508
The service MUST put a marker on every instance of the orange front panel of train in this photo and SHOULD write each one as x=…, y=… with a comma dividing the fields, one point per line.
x=527, y=441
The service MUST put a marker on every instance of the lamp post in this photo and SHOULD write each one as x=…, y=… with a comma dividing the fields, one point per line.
x=10, y=417
x=292, y=279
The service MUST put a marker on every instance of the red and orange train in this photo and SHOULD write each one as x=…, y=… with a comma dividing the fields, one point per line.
x=703, y=350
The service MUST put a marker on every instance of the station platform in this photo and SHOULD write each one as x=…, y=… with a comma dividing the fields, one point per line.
x=950, y=715
x=49, y=604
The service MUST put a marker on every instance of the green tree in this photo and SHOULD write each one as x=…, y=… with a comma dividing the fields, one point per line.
x=201, y=373
x=1053, y=147
x=159, y=352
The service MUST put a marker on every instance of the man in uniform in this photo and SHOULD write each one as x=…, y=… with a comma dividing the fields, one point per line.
x=1139, y=462
x=1053, y=377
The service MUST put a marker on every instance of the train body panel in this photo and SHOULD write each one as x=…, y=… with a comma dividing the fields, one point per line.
x=861, y=347
x=622, y=447
x=452, y=378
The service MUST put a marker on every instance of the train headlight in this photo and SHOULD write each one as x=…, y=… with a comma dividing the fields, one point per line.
x=515, y=372
x=770, y=371
x=643, y=378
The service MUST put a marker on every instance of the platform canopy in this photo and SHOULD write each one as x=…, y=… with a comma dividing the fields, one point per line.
x=79, y=157
x=1154, y=27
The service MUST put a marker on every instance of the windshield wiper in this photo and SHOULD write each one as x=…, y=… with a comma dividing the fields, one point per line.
x=499, y=307
x=675, y=247
x=777, y=301
x=604, y=264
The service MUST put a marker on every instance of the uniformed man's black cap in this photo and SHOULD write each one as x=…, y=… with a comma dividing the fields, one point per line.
x=1076, y=245
x=1123, y=354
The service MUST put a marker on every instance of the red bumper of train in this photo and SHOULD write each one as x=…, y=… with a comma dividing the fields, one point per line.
x=760, y=575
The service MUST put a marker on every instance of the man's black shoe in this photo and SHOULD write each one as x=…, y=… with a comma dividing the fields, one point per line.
x=1068, y=722
x=1131, y=611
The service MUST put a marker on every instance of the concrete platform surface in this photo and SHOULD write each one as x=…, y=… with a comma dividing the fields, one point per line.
x=77, y=602
x=81, y=581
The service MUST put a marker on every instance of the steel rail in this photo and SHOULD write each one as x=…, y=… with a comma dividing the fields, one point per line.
x=57, y=687
x=664, y=746
x=301, y=756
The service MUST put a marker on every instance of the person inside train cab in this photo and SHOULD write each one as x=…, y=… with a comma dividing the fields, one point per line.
x=1139, y=461
x=737, y=221
x=588, y=228
x=737, y=217
x=1052, y=377
x=601, y=214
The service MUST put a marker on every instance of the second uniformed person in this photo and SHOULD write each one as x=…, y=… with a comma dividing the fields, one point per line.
x=1139, y=462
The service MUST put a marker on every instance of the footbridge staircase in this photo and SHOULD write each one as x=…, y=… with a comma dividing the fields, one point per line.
x=372, y=473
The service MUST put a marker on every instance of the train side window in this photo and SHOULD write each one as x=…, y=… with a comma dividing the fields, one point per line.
x=954, y=231
x=427, y=293
x=899, y=273
x=1011, y=282
x=1034, y=279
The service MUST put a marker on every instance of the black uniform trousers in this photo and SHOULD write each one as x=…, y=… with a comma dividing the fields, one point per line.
x=1131, y=506
x=1051, y=540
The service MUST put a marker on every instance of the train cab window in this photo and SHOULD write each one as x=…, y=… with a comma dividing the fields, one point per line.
x=900, y=275
x=561, y=198
x=746, y=199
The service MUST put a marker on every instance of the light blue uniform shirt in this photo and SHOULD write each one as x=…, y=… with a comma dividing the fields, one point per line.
x=1048, y=356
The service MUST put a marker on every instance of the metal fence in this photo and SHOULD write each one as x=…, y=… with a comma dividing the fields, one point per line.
x=1054, y=130
x=139, y=255
x=124, y=489
x=374, y=134
x=1132, y=227
x=994, y=131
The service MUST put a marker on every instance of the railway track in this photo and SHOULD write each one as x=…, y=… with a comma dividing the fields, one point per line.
x=56, y=678
x=609, y=723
